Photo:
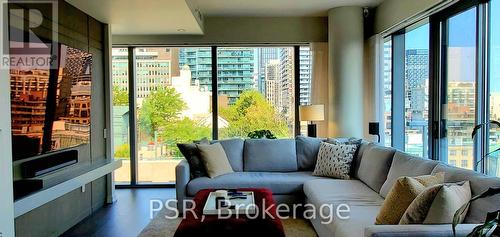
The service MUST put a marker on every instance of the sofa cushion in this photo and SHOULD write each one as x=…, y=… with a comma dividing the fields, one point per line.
x=336, y=191
x=374, y=166
x=279, y=183
x=307, y=151
x=404, y=164
x=269, y=155
x=364, y=204
x=234, y=152
x=363, y=146
x=360, y=217
x=478, y=184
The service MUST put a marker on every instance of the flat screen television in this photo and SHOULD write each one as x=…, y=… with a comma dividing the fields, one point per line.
x=50, y=105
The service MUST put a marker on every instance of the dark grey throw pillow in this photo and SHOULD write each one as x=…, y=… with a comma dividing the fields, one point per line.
x=193, y=157
x=348, y=141
x=307, y=151
x=344, y=140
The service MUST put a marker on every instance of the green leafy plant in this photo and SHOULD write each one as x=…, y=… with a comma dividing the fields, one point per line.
x=489, y=228
x=492, y=220
x=259, y=134
x=474, y=132
x=491, y=225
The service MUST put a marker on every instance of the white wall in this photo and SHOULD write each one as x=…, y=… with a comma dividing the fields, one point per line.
x=392, y=12
x=6, y=196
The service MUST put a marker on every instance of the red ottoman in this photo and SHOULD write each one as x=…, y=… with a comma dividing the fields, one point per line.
x=210, y=225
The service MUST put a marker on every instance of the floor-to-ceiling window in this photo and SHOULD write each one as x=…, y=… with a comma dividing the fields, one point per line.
x=416, y=86
x=121, y=136
x=255, y=91
x=459, y=88
x=451, y=70
x=387, y=91
x=173, y=105
x=493, y=165
x=406, y=89
x=164, y=95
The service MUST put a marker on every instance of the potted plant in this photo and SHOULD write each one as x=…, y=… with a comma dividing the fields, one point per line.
x=260, y=134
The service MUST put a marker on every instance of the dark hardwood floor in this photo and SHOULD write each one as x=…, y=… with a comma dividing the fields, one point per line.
x=126, y=217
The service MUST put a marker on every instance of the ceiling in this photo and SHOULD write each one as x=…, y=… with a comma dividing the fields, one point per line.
x=142, y=16
x=274, y=8
x=184, y=16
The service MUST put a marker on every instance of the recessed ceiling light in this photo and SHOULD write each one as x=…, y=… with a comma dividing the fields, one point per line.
x=181, y=30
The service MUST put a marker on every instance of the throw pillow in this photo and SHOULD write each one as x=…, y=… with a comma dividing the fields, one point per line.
x=334, y=160
x=402, y=194
x=192, y=155
x=345, y=140
x=215, y=159
x=438, y=204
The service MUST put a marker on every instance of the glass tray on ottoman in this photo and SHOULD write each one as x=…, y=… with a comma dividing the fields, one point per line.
x=241, y=206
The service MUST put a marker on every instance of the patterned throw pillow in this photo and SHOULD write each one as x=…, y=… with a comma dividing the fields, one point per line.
x=334, y=160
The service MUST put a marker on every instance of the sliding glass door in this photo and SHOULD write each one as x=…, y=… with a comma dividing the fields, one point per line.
x=459, y=80
x=416, y=86
x=460, y=48
x=493, y=162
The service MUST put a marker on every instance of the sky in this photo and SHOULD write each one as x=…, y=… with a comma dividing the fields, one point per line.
x=495, y=46
x=462, y=31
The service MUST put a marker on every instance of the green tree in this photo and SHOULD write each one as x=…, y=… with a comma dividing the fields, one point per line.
x=162, y=108
x=120, y=97
x=161, y=113
x=123, y=151
x=252, y=112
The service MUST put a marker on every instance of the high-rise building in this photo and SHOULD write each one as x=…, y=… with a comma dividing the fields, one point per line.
x=416, y=101
x=287, y=102
x=417, y=81
x=388, y=93
x=305, y=75
x=272, y=82
x=154, y=68
x=235, y=69
x=265, y=55
x=199, y=61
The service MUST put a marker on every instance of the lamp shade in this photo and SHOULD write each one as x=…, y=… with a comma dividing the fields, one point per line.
x=312, y=112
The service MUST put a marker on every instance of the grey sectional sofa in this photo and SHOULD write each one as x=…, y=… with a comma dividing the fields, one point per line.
x=285, y=166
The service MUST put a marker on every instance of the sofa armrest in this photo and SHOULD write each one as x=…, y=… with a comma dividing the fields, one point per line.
x=182, y=177
x=417, y=230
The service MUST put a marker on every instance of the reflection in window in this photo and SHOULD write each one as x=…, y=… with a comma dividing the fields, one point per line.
x=387, y=92
x=417, y=91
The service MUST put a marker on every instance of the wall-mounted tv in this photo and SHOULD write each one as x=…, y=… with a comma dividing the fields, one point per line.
x=50, y=105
